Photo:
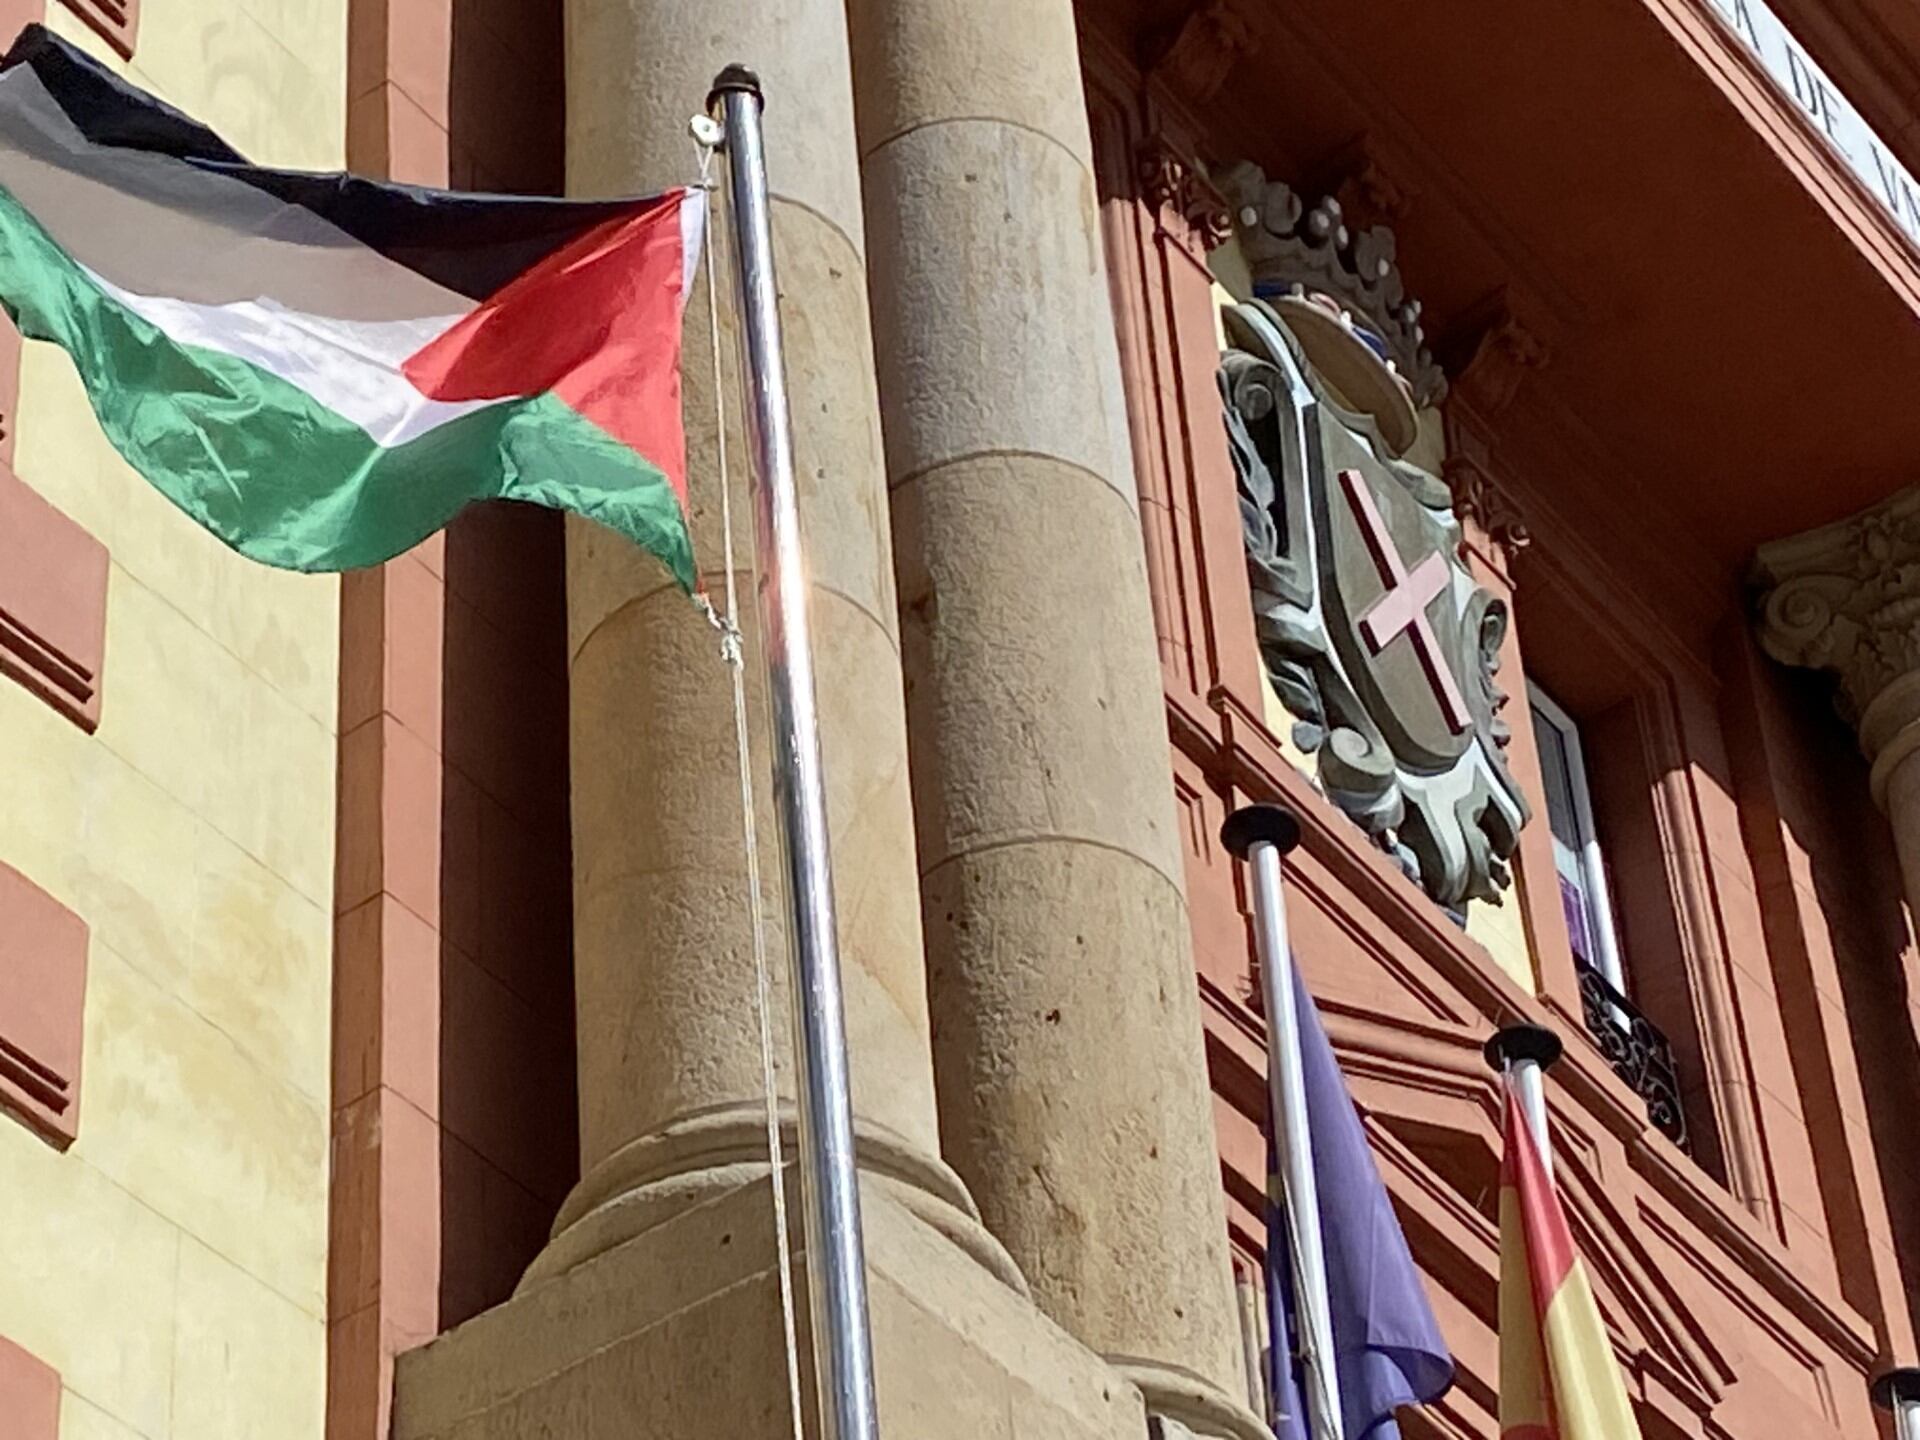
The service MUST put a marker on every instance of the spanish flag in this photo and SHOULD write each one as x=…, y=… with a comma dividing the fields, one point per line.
x=1558, y=1377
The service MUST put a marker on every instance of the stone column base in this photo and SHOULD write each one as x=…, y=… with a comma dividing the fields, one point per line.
x=706, y=1156
x=676, y=1335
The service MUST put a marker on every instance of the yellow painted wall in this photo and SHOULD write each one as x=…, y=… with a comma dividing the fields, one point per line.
x=172, y=1263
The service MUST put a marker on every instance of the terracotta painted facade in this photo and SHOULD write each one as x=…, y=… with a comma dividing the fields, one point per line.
x=1768, y=1273
x=323, y=1002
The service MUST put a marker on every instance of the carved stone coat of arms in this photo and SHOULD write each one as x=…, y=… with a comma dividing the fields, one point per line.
x=1374, y=634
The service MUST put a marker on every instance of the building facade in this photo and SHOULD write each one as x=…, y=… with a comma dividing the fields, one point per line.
x=1484, y=430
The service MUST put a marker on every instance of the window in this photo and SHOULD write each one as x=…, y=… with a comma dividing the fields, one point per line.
x=1581, y=868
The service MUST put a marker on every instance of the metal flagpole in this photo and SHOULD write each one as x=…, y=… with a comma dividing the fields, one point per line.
x=1899, y=1391
x=1523, y=1053
x=829, y=1188
x=1260, y=835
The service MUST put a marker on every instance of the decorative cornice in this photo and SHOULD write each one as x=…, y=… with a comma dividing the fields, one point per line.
x=1197, y=54
x=1170, y=180
x=1845, y=598
x=1294, y=247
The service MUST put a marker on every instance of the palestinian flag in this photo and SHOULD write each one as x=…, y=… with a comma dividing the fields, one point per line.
x=1558, y=1377
x=321, y=369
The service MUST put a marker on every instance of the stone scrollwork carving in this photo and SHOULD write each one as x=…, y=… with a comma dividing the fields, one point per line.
x=1169, y=180
x=1479, y=497
x=1375, y=636
x=1846, y=599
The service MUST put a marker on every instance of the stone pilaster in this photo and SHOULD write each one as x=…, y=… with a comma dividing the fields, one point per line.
x=1846, y=599
x=1073, y=1087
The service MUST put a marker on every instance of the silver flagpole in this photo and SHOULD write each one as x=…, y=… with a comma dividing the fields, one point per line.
x=1522, y=1054
x=1260, y=835
x=829, y=1186
x=1899, y=1392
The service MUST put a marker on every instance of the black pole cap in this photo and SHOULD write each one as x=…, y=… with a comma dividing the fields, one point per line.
x=736, y=79
x=1523, y=1042
x=1896, y=1385
x=1245, y=827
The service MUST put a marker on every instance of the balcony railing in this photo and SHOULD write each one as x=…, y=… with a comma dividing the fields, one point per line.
x=1639, y=1053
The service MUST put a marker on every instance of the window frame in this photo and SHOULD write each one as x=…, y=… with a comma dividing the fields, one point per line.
x=1598, y=894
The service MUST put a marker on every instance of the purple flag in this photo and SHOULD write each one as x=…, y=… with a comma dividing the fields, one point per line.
x=1387, y=1346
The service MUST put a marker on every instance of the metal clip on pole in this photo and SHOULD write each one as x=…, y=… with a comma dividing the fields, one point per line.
x=829, y=1181
x=1260, y=835
x=1523, y=1053
x=1899, y=1392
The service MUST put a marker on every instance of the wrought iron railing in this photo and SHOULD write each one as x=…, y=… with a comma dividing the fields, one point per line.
x=1639, y=1053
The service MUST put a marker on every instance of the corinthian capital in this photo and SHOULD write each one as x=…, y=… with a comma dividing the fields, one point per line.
x=1845, y=598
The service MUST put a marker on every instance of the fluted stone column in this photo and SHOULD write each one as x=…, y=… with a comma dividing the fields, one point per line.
x=1846, y=599
x=669, y=1061
x=1073, y=1087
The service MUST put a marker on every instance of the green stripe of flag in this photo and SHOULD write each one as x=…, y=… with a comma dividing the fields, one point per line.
x=286, y=481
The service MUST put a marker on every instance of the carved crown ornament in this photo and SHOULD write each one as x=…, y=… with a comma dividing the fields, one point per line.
x=1309, y=252
x=1374, y=634
x=1845, y=598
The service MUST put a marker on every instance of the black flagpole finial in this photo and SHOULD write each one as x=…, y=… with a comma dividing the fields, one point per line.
x=1523, y=1042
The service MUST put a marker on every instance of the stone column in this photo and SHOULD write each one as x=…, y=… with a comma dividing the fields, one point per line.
x=1845, y=598
x=655, y=1309
x=1073, y=1086
x=670, y=1074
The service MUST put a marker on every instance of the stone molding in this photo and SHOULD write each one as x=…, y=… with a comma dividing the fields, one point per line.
x=1845, y=598
x=43, y=985
x=53, y=603
x=649, y=1181
x=1186, y=1404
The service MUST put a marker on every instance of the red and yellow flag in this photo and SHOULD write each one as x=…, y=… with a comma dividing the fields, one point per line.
x=1558, y=1377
